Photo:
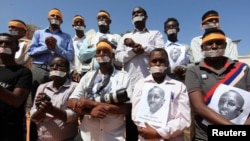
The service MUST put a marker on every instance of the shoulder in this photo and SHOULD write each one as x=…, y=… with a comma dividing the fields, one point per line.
x=197, y=38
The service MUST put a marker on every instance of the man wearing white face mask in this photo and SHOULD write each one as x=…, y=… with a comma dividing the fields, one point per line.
x=49, y=111
x=45, y=45
x=19, y=29
x=101, y=120
x=15, y=81
x=88, y=49
x=210, y=19
x=133, y=50
x=178, y=117
x=77, y=66
x=178, y=53
x=203, y=78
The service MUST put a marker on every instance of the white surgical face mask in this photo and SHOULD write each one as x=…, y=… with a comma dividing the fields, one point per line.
x=138, y=19
x=79, y=27
x=157, y=69
x=5, y=50
x=104, y=59
x=171, y=31
x=14, y=32
x=102, y=23
x=57, y=73
x=211, y=25
x=214, y=53
x=55, y=22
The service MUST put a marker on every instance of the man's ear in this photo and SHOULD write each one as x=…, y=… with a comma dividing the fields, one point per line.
x=178, y=29
x=202, y=47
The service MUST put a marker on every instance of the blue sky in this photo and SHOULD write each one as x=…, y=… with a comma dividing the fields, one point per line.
x=234, y=19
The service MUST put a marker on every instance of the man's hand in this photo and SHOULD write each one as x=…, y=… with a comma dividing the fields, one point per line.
x=129, y=42
x=180, y=72
x=75, y=76
x=51, y=42
x=99, y=111
x=138, y=49
x=148, y=132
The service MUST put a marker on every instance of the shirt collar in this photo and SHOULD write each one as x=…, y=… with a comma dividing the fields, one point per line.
x=65, y=85
x=229, y=62
x=169, y=43
x=167, y=80
x=144, y=30
x=56, y=31
x=75, y=38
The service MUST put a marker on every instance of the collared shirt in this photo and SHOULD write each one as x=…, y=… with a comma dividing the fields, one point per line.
x=196, y=54
x=51, y=128
x=112, y=127
x=179, y=112
x=137, y=65
x=183, y=59
x=200, y=77
x=39, y=51
x=88, y=48
x=77, y=64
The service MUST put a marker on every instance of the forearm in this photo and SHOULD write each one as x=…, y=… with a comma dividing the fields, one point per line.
x=123, y=108
x=58, y=113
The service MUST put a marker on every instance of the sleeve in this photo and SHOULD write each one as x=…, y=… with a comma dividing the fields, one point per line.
x=123, y=53
x=81, y=87
x=231, y=50
x=37, y=47
x=192, y=80
x=180, y=114
x=86, y=51
x=195, y=50
x=66, y=49
x=33, y=108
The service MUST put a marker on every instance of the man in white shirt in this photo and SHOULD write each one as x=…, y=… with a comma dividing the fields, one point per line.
x=211, y=19
x=132, y=52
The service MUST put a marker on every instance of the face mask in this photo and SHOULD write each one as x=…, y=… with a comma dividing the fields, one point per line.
x=104, y=59
x=55, y=22
x=14, y=32
x=79, y=27
x=102, y=23
x=138, y=19
x=171, y=31
x=211, y=25
x=157, y=69
x=214, y=53
x=5, y=50
x=57, y=73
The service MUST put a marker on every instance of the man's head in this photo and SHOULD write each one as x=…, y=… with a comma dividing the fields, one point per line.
x=175, y=54
x=213, y=43
x=230, y=104
x=17, y=28
x=139, y=16
x=210, y=19
x=103, y=21
x=104, y=53
x=55, y=17
x=8, y=46
x=158, y=62
x=156, y=98
x=171, y=27
x=78, y=23
x=59, y=68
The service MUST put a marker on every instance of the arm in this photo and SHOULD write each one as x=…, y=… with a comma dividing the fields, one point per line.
x=87, y=50
x=37, y=47
x=65, y=48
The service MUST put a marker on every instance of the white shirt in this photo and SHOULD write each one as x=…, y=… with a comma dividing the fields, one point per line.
x=137, y=65
x=112, y=127
x=77, y=63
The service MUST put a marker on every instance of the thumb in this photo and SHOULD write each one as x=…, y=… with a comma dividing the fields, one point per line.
x=146, y=124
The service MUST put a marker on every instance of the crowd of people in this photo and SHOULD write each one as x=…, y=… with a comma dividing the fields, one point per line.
x=93, y=87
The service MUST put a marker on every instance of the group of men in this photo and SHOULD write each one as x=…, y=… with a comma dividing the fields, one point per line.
x=103, y=78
